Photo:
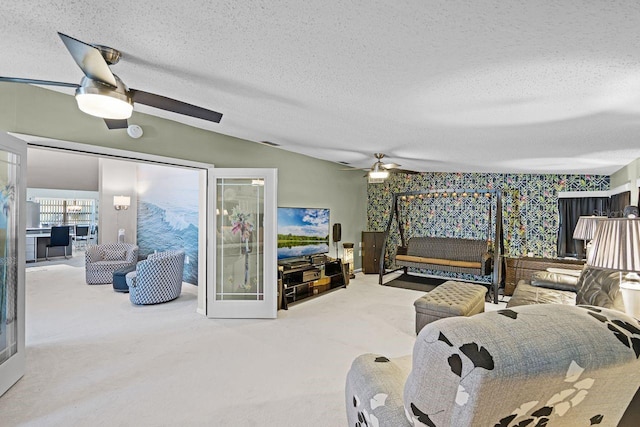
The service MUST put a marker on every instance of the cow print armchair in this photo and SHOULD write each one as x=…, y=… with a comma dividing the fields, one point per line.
x=535, y=365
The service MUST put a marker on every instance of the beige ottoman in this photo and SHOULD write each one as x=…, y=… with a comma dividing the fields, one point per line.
x=447, y=300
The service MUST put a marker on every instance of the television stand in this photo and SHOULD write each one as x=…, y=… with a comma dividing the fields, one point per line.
x=295, y=264
x=304, y=279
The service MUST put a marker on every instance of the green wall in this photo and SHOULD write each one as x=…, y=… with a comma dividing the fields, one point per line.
x=302, y=181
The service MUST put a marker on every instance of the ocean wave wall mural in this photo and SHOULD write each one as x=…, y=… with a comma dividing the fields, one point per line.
x=168, y=213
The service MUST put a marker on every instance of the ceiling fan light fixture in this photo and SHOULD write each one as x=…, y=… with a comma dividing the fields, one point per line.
x=378, y=171
x=379, y=174
x=97, y=99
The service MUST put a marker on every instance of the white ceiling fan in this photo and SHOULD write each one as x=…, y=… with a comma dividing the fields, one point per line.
x=380, y=171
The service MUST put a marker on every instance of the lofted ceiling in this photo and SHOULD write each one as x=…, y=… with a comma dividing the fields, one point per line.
x=451, y=86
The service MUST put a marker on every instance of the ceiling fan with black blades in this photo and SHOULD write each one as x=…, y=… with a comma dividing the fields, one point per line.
x=102, y=94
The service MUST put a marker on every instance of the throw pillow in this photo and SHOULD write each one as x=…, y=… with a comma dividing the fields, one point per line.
x=567, y=271
x=560, y=282
x=114, y=254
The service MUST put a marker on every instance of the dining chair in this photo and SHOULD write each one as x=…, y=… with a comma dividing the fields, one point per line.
x=82, y=234
x=60, y=236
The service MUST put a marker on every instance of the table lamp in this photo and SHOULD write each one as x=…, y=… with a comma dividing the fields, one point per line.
x=616, y=246
x=585, y=229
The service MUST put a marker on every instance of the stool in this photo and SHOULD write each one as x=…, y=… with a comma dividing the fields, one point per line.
x=119, y=278
x=447, y=300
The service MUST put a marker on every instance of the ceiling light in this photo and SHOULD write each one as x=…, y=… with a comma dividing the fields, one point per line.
x=100, y=100
x=378, y=172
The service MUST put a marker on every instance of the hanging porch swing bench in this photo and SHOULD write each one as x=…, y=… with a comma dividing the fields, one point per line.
x=446, y=254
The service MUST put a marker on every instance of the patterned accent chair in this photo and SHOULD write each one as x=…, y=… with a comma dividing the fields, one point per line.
x=157, y=279
x=535, y=365
x=102, y=260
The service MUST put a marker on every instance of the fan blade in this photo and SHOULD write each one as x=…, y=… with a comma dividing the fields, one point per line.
x=390, y=165
x=37, y=82
x=116, y=124
x=164, y=103
x=90, y=60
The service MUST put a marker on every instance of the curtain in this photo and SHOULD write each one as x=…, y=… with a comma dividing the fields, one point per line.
x=569, y=210
x=617, y=203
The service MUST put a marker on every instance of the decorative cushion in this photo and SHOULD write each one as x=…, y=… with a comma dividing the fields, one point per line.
x=601, y=288
x=567, y=271
x=114, y=254
x=561, y=282
x=438, y=261
x=526, y=294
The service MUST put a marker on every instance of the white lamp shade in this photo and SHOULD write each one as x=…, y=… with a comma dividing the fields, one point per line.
x=616, y=245
x=121, y=201
x=586, y=227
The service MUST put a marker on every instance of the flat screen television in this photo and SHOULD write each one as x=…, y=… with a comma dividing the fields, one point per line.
x=302, y=232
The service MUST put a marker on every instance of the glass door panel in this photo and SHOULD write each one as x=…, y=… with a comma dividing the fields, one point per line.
x=12, y=255
x=240, y=207
x=244, y=282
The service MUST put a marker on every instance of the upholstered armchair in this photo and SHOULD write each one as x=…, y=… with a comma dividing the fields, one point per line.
x=157, y=279
x=102, y=260
x=536, y=365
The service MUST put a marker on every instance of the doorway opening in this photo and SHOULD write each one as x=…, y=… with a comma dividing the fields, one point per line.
x=168, y=201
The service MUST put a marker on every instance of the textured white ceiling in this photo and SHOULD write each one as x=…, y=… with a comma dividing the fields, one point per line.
x=470, y=86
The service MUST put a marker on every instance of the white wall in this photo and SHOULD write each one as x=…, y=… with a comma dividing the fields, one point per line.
x=117, y=178
x=628, y=174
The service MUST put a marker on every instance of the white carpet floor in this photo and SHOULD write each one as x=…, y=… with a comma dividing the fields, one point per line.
x=95, y=359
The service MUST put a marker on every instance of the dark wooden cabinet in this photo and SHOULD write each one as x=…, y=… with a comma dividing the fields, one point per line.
x=372, y=242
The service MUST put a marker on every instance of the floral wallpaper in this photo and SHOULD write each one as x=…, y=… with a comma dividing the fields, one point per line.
x=529, y=208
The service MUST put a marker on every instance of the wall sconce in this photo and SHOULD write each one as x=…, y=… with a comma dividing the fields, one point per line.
x=121, y=202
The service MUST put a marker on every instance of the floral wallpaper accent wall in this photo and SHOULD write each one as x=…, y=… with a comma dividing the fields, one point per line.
x=529, y=208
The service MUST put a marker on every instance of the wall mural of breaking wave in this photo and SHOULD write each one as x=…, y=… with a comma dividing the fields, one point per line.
x=168, y=214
